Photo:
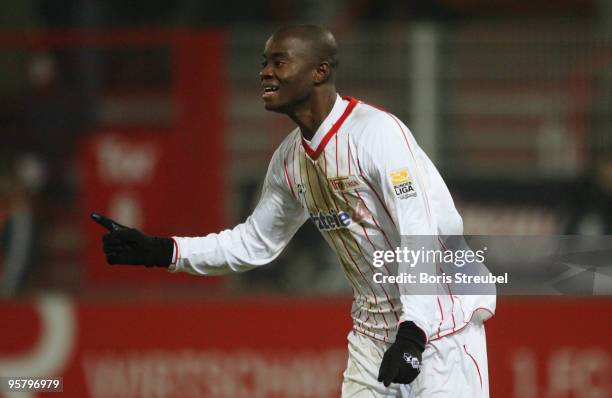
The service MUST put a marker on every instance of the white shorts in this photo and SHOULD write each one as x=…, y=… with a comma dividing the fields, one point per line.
x=453, y=366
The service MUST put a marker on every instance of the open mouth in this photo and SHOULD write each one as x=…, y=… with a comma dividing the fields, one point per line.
x=269, y=91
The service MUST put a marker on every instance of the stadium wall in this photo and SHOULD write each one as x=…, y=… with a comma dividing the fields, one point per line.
x=279, y=347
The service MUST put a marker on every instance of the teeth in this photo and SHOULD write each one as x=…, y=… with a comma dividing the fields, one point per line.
x=270, y=89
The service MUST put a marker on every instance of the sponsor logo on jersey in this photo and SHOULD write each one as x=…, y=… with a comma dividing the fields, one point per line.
x=329, y=221
x=345, y=183
x=402, y=183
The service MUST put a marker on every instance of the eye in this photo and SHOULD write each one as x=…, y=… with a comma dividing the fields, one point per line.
x=278, y=64
x=264, y=63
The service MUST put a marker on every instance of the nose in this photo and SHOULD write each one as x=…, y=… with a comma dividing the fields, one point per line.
x=265, y=72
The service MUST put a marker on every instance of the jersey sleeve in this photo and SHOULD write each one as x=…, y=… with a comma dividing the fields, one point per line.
x=391, y=162
x=255, y=242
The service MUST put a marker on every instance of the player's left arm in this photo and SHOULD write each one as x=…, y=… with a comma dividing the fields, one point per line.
x=388, y=157
x=390, y=161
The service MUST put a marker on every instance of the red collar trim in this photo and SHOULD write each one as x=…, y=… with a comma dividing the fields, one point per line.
x=314, y=153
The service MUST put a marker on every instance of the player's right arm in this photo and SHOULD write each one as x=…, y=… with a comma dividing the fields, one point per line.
x=255, y=242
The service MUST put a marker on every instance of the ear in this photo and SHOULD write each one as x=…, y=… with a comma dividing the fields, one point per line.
x=322, y=72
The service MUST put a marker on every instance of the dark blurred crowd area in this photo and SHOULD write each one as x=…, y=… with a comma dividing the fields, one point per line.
x=46, y=108
x=113, y=13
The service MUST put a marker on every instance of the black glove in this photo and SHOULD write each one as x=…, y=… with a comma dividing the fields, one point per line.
x=123, y=245
x=402, y=360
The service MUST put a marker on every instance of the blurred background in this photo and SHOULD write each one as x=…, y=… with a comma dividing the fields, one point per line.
x=150, y=112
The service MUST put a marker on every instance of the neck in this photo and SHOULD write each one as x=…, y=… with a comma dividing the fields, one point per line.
x=309, y=117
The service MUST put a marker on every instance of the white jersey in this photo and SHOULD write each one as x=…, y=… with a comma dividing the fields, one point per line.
x=366, y=185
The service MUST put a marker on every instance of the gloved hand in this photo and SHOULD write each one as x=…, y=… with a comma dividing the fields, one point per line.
x=402, y=360
x=123, y=245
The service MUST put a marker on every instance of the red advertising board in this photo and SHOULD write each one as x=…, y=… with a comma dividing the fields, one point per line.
x=134, y=176
x=165, y=180
x=279, y=347
x=241, y=348
x=542, y=348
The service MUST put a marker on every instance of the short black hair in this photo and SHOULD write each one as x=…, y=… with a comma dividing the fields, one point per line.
x=322, y=41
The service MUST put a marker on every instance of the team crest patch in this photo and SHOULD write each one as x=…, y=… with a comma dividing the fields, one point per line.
x=402, y=183
x=345, y=183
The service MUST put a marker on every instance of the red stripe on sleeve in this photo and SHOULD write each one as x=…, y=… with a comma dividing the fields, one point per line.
x=475, y=364
x=176, y=252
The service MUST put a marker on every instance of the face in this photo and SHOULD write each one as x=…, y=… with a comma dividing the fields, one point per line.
x=286, y=74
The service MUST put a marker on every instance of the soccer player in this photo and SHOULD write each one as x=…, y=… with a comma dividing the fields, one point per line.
x=358, y=174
